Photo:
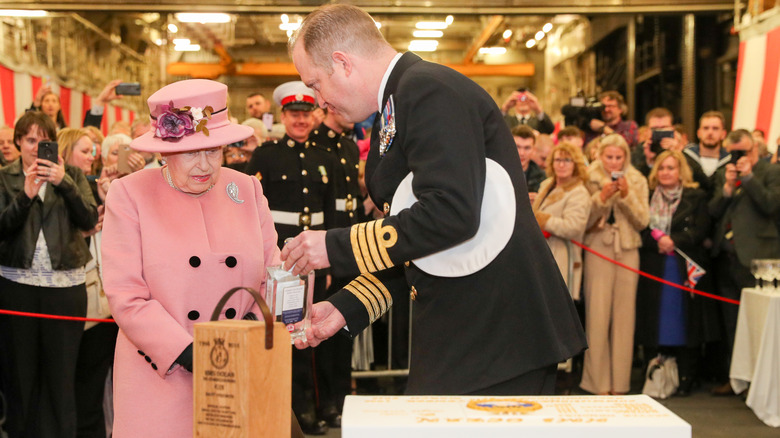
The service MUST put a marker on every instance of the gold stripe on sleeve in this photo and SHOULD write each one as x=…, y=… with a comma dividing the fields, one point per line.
x=370, y=308
x=362, y=284
x=353, y=236
x=364, y=252
x=370, y=236
x=381, y=287
x=380, y=232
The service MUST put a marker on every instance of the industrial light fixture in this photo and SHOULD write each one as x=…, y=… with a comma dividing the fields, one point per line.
x=23, y=13
x=289, y=26
x=181, y=41
x=547, y=27
x=530, y=43
x=495, y=51
x=187, y=47
x=378, y=25
x=172, y=28
x=428, y=34
x=431, y=25
x=507, y=34
x=539, y=35
x=449, y=19
x=207, y=18
x=423, y=45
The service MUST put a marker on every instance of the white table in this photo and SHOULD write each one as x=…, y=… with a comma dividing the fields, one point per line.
x=635, y=416
x=756, y=356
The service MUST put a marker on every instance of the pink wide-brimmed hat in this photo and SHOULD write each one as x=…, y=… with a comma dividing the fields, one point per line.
x=189, y=115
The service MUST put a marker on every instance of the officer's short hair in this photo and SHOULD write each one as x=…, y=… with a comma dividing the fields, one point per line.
x=335, y=27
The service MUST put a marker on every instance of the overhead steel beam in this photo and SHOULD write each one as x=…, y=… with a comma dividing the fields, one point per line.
x=540, y=9
x=212, y=71
x=483, y=37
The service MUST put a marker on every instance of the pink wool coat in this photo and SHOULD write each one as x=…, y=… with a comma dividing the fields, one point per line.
x=167, y=260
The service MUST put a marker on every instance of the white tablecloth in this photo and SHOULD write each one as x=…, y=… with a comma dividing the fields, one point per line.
x=756, y=356
x=633, y=416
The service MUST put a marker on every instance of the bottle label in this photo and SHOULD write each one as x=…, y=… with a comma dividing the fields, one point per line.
x=292, y=310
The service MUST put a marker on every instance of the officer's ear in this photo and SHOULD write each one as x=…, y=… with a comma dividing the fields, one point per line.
x=342, y=61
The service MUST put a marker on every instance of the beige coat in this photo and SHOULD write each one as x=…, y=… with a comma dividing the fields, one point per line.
x=563, y=212
x=632, y=213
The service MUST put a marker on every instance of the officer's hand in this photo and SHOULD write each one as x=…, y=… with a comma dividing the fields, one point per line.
x=306, y=252
x=326, y=321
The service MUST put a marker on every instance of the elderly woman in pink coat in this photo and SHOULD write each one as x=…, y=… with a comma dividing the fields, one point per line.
x=175, y=239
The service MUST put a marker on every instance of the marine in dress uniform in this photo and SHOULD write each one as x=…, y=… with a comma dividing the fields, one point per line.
x=492, y=313
x=334, y=356
x=297, y=179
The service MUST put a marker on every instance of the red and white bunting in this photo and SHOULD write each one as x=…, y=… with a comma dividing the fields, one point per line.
x=756, y=98
x=17, y=91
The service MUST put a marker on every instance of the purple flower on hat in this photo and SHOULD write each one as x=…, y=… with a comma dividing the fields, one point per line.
x=174, y=123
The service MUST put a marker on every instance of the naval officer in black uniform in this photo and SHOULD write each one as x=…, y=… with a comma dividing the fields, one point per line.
x=492, y=314
x=297, y=179
x=334, y=356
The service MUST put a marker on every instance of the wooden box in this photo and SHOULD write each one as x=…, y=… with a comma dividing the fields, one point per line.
x=241, y=389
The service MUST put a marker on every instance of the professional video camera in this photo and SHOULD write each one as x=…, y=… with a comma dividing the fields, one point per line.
x=581, y=110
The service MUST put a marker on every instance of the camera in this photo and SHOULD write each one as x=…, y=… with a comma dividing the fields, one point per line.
x=48, y=150
x=522, y=91
x=128, y=89
x=581, y=110
x=655, y=140
x=616, y=175
x=736, y=155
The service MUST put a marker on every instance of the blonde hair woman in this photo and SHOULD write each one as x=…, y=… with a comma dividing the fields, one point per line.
x=670, y=321
x=619, y=211
x=562, y=208
x=76, y=148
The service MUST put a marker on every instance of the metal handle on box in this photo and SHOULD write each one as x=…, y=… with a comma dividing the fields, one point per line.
x=269, y=321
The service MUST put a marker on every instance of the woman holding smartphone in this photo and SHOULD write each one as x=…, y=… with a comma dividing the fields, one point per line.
x=619, y=211
x=44, y=207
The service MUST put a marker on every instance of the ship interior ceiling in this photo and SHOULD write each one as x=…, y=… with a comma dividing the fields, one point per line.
x=644, y=48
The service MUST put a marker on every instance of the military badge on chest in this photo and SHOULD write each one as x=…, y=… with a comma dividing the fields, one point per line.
x=387, y=127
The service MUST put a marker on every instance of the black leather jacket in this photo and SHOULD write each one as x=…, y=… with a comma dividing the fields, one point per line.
x=67, y=210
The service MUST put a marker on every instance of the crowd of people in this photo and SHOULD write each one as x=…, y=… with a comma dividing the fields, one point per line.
x=658, y=204
x=640, y=195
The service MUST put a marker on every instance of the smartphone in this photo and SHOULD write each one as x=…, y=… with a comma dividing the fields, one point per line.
x=657, y=136
x=48, y=150
x=122, y=166
x=128, y=89
x=616, y=175
x=736, y=155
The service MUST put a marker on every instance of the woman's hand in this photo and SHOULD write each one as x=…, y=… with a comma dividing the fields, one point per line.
x=665, y=245
x=51, y=172
x=622, y=184
x=108, y=174
x=32, y=182
x=608, y=190
x=39, y=95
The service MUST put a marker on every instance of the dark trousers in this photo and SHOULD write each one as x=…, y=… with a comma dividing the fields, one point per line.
x=42, y=356
x=540, y=381
x=96, y=354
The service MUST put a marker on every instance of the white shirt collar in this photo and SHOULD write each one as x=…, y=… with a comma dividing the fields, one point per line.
x=385, y=78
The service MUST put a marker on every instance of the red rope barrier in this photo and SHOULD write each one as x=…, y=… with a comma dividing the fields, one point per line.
x=653, y=277
x=66, y=318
